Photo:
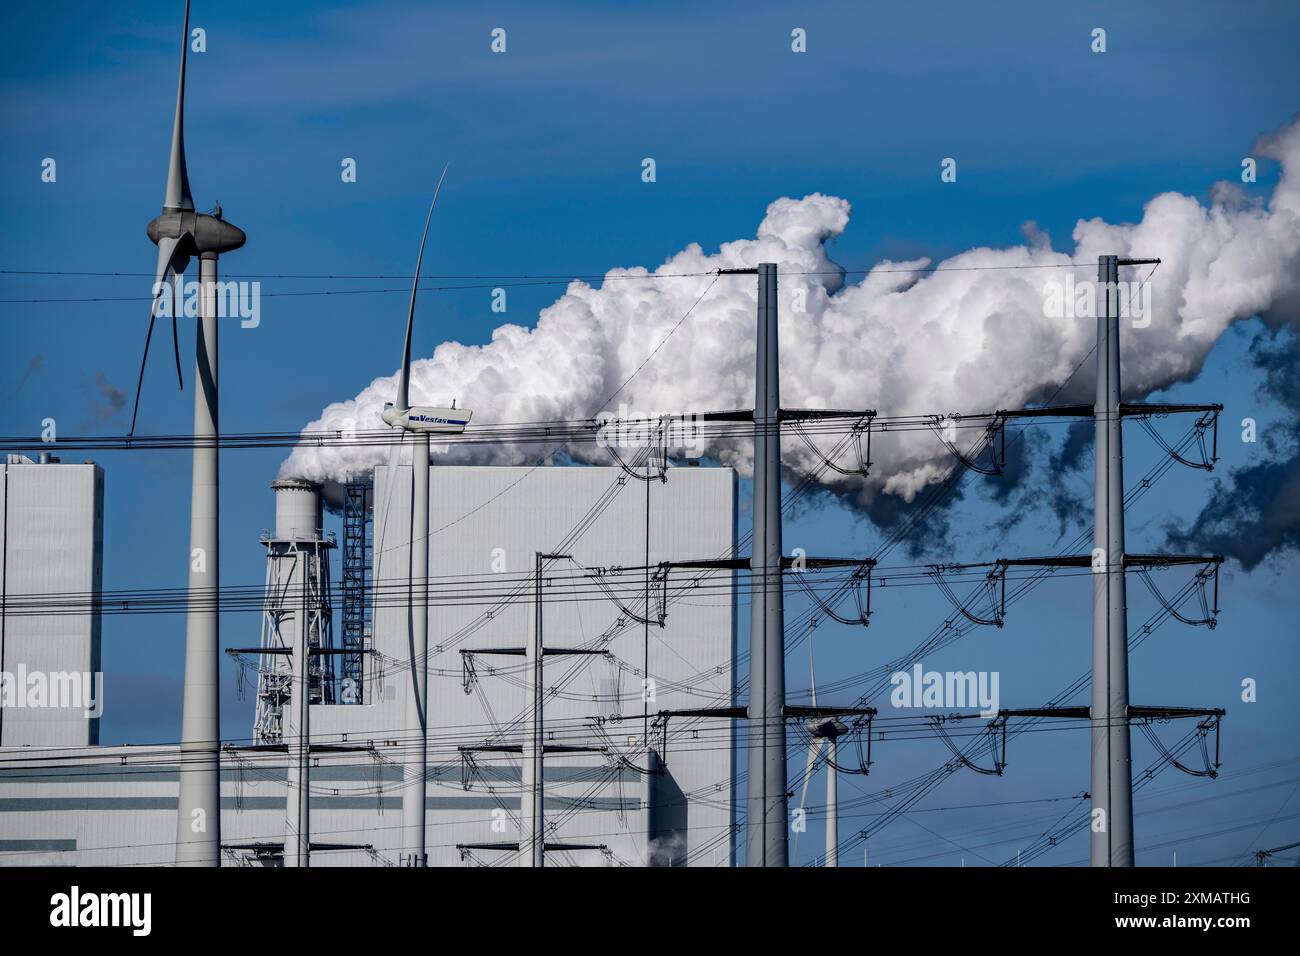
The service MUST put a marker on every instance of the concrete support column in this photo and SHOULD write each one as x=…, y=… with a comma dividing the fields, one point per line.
x=198, y=821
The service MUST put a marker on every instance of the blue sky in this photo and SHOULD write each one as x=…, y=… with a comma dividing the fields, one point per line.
x=546, y=144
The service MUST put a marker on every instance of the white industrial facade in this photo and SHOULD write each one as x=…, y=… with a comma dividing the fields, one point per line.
x=117, y=805
x=51, y=545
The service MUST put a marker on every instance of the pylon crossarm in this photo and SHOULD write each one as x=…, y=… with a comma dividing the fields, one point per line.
x=660, y=723
x=1066, y=713
x=518, y=748
x=728, y=415
x=722, y=713
x=614, y=755
x=856, y=583
x=660, y=473
x=1169, y=560
x=231, y=750
x=804, y=414
x=1200, y=585
x=1209, y=421
x=1262, y=855
x=466, y=848
x=936, y=724
x=863, y=425
x=970, y=461
x=658, y=581
x=241, y=674
x=1142, y=409
x=1049, y=411
x=276, y=846
x=468, y=769
x=1146, y=716
x=863, y=768
x=859, y=728
x=1085, y=561
x=708, y=564
x=807, y=561
x=659, y=432
x=998, y=728
x=468, y=676
x=660, y=578
x=1053, y=561
x=801, y=711
x=1150, y=712
x=254, y=748
x=989, y=588
x=645, y=618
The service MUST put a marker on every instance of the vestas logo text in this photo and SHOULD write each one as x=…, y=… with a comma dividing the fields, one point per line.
x=74, y=909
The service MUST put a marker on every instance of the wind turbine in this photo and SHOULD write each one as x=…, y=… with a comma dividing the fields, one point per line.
x=181, y=233
x=420, y=421
x=824, y=731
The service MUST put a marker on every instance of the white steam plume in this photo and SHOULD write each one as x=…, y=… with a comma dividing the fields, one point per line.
x=899, y=342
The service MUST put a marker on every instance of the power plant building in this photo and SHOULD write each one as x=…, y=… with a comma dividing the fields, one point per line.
x=620, y=786
x=51, y=546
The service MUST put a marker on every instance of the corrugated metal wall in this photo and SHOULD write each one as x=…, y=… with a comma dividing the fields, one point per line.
x=51, y=543
x=117, y=805
x=485, y=525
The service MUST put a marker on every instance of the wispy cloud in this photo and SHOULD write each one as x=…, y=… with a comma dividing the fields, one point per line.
x=33, y=366
x=111, y=398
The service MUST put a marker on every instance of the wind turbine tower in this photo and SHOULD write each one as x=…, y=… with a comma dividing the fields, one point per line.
x=828, y=731
x=824, y=731
x=181, y=233
x=419, y=421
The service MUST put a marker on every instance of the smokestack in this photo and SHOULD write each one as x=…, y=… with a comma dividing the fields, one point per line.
x=298, y=513
x=297, y=575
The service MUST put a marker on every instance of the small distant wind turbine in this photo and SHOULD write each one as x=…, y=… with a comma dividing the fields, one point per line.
x=824, y=731
x=420, y=421
x=180, y=234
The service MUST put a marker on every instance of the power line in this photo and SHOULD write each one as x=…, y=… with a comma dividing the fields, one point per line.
x=563, y=276
x=683, y=427
x=499, y=281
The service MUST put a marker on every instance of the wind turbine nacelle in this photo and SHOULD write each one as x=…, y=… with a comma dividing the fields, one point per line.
x=426, y=418
x=207, y=233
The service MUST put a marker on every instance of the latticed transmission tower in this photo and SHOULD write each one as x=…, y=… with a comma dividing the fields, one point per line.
x=357, y=547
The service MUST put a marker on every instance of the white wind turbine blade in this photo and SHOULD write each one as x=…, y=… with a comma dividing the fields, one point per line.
x=170, y=266
x=394, y=459
x=174, y=268
x=816, y=744
x=814, y=751
x=381, y=546
x=812, y=670
x=178, y=195
x=404, y=383
x=176, y=198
